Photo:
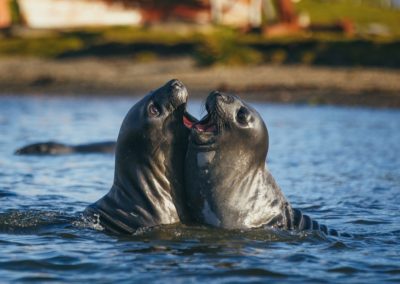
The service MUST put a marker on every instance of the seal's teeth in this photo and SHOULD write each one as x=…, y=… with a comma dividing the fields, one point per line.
x=205, y=125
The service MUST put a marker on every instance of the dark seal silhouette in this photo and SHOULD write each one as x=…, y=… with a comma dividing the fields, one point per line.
x=148, y=181
x=226, y=179
x=56, y=148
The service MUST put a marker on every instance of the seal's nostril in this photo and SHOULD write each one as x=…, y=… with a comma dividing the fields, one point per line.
x=175, y=83
x=223, y=97
x=229, y=99
x=178, y=92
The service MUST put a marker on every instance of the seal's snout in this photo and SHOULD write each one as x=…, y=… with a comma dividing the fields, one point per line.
x=225, y=98
x=179, y=93
x=175, y=83
x=217, y=97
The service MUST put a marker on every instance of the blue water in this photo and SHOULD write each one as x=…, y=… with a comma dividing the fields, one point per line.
x=339, y=165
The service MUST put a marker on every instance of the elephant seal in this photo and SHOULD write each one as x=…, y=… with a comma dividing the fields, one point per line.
x=55, y=148
x=226, y=179
x=149, y=159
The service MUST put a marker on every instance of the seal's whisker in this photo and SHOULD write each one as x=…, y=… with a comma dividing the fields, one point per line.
x=203, y=109
x=217, y=116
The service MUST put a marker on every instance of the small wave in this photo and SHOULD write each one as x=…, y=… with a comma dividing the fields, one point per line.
x=88, y=222
x=338, y=246
x=345, y=270
x=34, y=221
x=4, y=193
x=40, y=279
x=302, y=257
x=180, y=232
x=369, y=222
x=386, y=268
x=251, y=272
x=29, y=264
x=30, y=221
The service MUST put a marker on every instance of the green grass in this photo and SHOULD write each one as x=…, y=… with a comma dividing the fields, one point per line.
x=47, y=47
x=322, y=11
x=15, y=12
x=224, y=46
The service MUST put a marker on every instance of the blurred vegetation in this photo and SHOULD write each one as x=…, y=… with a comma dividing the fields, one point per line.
x=15, y=13
x=224, y=46
x=376, y=42
x=364, y=13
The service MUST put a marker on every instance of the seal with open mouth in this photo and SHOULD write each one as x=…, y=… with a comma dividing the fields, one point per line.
x=148, y=180
x=226, y=180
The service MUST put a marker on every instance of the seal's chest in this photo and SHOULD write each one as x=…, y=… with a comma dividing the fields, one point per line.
x=204, y=159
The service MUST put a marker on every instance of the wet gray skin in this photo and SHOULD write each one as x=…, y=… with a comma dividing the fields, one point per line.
x=148, y=180
x=226, y=179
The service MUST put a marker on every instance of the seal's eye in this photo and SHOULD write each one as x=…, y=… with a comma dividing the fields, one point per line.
x=153, y=110
x=243, y=116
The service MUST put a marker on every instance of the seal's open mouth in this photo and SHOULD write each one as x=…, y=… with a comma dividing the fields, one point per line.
x=204, y=125
x=206, y=131
x=203, y=132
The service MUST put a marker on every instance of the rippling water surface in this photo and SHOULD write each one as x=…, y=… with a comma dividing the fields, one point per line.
x=339, y=165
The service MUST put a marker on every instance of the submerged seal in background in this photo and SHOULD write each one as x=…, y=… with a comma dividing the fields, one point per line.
x=148, y=180
x=56, y=148
x=226, y=180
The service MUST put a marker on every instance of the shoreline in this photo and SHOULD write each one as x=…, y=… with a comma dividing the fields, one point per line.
x=371, y=87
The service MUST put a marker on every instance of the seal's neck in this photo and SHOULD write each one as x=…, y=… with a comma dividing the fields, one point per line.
x=223, y=195
x=140, y=196
x=147, y=193
x=254, y=199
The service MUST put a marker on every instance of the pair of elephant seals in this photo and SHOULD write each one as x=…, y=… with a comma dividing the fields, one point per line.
x=226, y=180
x=148, y=185
x=223, y=180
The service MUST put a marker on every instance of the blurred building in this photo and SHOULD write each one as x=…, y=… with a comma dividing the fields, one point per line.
x=237, y=13
x=78, y=13
x=5, y=14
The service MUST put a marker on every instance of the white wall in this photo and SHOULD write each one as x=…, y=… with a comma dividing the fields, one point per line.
x=76, y=13
x=237, y=12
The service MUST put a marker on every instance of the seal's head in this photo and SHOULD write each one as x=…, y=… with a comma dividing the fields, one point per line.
x=225, y=166
x=150, y=152
x=153, y=130
x=232, y=127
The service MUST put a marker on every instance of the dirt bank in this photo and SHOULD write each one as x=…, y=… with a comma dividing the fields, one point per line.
x=288, y=84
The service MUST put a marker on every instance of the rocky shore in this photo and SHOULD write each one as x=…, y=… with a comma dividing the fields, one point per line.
x=269, y=83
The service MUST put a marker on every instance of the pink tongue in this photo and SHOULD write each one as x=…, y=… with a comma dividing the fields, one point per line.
x=187, y=122
x=205, y=127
